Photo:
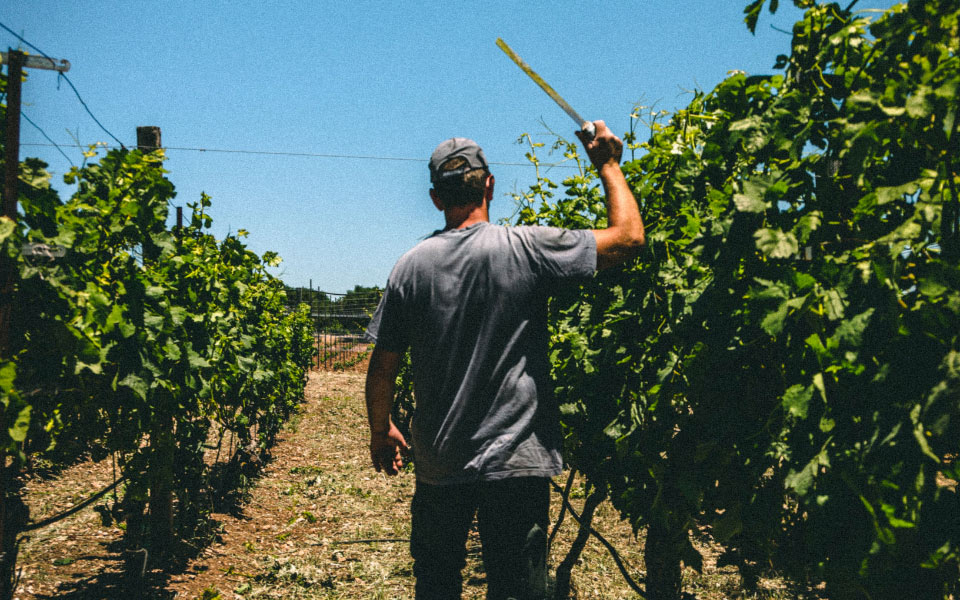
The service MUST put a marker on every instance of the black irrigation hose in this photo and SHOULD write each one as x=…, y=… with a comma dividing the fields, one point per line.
x=76, y=508
x=613, y=551
x=372, y=541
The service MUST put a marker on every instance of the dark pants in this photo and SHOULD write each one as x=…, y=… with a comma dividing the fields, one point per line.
x=512, y=515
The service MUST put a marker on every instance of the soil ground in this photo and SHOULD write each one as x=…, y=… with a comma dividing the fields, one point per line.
x=317, y=522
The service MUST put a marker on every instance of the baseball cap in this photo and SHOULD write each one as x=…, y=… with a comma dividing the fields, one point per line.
x=458, y=147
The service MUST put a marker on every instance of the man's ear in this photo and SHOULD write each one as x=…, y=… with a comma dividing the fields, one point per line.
x=488, y=189
x=436, y=199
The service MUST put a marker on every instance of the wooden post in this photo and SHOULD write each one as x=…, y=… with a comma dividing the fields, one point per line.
x=148, y=138
x=162, y=454
x=161, y=467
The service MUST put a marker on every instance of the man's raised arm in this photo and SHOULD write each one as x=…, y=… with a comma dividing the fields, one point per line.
x=624, y=236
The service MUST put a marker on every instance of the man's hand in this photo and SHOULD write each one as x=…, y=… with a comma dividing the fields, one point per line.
x=386, y=448
x=604, y=149
x=386, y=441
x=624, y=235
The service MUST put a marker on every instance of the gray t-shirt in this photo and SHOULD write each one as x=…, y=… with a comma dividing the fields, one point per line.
x=471, y=305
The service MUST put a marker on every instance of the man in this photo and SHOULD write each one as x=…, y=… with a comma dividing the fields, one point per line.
x=470, y=303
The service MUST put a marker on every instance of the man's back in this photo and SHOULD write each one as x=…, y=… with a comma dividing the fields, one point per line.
x=471, y=305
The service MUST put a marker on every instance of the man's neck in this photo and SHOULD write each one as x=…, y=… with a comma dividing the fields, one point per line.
x=461, y=217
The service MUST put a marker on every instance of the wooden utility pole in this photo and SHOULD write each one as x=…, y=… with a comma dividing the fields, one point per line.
x=16, y=61
x=12, y=137
x=11, y=180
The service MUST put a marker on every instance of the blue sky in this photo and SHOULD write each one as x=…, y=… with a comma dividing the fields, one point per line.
x=372, y=86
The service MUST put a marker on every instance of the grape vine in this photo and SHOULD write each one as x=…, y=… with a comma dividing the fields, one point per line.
x=782, y=368
x=139, y=340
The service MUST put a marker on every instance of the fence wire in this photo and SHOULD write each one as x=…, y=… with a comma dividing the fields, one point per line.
x=340, y=321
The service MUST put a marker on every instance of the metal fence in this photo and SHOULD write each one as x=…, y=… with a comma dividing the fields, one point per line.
x=340, y=321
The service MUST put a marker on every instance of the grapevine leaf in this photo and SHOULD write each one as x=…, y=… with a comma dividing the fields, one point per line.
x=126, y=328
x=834, y=304
x=178, y=314
x=8, y=373
x=924, y=444
x=814, y=342
x=196, y=361
x=153, y=321
x=155, y=292
x=803, y=281
x=807, y=224
x=774, y=322
x=718, y=202
x=800, y=481
x=774, y=243
x=796, y=400
x=136, y=384
x=933, y=285
x=7, y=227
x=918, y=104
x=891, y=513
x=114, y=318
x=615, y=429
x=889, y=194
x=826, y=424
x=920, y=435
x=750, y=204
x=18, y=431
x=172, y=351
x=820, y=386
x=752, y=12
x=850, y=331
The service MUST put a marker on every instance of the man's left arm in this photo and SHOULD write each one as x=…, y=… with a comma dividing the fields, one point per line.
x=386, y=441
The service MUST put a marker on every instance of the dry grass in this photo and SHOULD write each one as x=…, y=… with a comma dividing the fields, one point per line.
x=319, y=523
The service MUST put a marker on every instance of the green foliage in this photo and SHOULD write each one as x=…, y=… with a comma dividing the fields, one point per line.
x=141, y=334
x=354, y=360
x=401, y=412
x=783, y=364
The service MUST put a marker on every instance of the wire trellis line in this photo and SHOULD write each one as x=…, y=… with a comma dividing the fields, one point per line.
x=70, y=83
x=44, y=134
x=316, y=155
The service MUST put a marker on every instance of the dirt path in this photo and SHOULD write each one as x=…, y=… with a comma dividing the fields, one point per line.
x=298, y=534
x=317, y=523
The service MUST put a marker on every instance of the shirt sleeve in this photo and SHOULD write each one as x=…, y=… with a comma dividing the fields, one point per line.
x=565, y=253
x=387, y=328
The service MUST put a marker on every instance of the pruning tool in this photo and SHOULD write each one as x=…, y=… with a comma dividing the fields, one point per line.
x=586, y=126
